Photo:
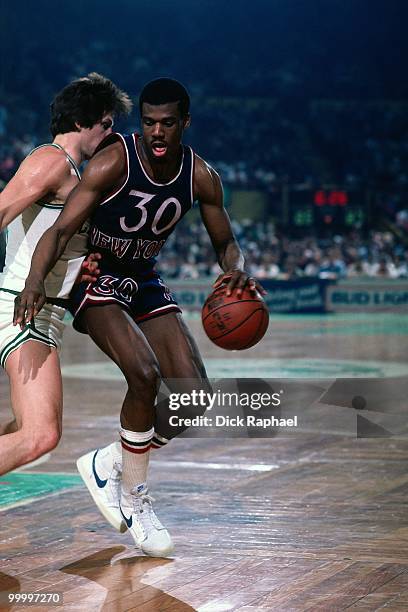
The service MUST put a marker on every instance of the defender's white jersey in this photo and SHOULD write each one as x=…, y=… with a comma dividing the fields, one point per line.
x=23, y=235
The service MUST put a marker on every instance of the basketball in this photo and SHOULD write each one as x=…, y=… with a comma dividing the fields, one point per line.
x=235, y=323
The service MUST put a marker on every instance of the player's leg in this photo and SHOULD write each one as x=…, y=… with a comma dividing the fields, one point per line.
x=9, y=427
x=180, y=365
x=174, y=347
x=36, y=398
x=115, y=332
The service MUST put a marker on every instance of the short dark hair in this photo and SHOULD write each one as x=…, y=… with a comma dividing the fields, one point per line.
x=85, y=101
x=163, y=91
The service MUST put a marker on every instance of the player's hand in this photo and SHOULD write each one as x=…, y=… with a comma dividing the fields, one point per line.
x=89, y=271
x=29, y=302
x=237, y=280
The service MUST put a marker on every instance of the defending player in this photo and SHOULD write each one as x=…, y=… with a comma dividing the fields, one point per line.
x=137, y=189
x=81, y=116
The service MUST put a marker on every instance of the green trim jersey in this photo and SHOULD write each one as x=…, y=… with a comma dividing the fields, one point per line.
x=23, y=235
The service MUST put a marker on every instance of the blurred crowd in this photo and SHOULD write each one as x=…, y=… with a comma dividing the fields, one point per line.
x=358, y=146
x=189, y=254
x=352, y=144
x=348, y=143
x=274, y=107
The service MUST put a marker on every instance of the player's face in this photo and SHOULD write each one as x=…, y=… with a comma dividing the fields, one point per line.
x=93, y=136
x=163, y=128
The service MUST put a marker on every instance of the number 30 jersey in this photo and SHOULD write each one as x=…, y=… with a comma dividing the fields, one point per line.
x=130, y=226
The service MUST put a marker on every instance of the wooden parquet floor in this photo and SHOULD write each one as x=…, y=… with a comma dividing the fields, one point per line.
x=311, y=522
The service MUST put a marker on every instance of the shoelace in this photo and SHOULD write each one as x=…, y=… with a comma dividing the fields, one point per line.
x=141, y=498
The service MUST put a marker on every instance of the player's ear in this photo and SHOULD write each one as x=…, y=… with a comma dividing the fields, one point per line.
x=78, y=126
x=187, y=121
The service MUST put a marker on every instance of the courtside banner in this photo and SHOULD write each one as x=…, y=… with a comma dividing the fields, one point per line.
x=368, y=295
x=304, y=295
x=266, y=408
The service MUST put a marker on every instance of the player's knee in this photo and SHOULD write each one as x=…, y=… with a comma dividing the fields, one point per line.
x=51, y=440
x=42, y=442
x=143, y=378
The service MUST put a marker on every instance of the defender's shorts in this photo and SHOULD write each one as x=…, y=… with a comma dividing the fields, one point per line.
x=144, y=297
x=47, y=328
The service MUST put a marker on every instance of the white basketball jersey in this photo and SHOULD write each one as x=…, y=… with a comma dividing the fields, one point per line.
x=23, y=235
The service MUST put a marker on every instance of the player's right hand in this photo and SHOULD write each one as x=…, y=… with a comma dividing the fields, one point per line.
x=29, y=302
x=236, y=280
x=89, y=271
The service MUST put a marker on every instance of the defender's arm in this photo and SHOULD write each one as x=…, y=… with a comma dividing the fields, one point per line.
x=103, y=173
x=39, y=175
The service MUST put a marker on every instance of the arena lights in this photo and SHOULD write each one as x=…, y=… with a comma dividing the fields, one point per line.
x=330, y=198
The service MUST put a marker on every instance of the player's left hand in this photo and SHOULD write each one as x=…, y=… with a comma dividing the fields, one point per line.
x=89, y=271
x=237, y=280
x=29, y=302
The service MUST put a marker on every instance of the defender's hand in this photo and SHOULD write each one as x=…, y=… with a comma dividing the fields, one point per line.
x=238, y=280
x=29, y=302
x=89, y=271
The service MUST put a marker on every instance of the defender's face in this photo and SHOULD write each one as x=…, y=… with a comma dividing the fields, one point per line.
x=92, y=137
x=162, y=127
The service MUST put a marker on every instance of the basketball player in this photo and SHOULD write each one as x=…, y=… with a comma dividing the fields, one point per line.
x=81, y=116
x=137, y=189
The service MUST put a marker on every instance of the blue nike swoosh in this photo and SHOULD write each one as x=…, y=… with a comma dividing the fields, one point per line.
x=129, y=520
x=99, y=482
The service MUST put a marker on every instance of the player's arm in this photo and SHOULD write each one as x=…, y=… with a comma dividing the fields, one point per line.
x=208, y=190
x=103, y=173
x=39, y=175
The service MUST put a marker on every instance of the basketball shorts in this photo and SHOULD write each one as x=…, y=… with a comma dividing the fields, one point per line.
x=144, y=297
x=46, y=328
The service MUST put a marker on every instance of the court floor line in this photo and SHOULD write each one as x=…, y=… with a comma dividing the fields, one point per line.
x=246, y=467
x=31, y=500
x=310, y=368
x=255, y=467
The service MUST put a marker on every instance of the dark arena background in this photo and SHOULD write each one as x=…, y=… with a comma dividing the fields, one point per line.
x=302, y=108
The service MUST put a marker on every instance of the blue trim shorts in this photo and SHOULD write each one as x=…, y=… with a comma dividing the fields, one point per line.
x=144, y=297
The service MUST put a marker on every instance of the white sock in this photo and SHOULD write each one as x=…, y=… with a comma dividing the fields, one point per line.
x=135, y=461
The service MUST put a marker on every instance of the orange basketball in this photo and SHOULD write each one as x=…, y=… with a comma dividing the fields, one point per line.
x=235, y=323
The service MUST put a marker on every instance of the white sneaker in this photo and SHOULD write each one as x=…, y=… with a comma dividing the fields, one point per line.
x=102, y=475
x=147, y=531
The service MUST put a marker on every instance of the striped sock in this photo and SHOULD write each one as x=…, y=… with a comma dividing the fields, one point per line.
x=158, y=441
x=135, y=458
